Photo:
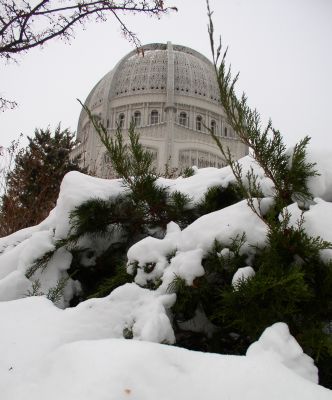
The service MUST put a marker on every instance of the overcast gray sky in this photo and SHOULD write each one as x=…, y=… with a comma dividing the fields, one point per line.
x=282, y=48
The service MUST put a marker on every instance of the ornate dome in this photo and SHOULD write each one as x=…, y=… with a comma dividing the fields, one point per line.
x=170, y=93
x=157, y=69
x=148, y=71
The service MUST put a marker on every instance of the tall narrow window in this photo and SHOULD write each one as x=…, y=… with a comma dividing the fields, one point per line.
x=213, y=127
x=154, y=118
x=225, y=131
x=199, y=123
x=137, y=118
x=183, y=119
x=121, y=120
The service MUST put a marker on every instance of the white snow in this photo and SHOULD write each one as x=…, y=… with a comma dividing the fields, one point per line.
x=79, y=353
x=19, y=250
x=224, y=225
x=186, y=265
x=54, y=354
x=35, y=326
x=241, y=275
x=196, y=186
x=321, y=185
x=277, y=342
x=317, y=221
x=194, y=242
x=77, y=188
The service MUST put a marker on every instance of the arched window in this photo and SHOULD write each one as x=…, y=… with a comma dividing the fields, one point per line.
x=199, y=123
x=225, y=131
x=121, y=121
x=213, y=126
x=154, y=117
x=183, y=119
x=137, y=118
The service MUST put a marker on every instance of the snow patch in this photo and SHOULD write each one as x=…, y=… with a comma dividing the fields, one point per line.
x=242, y=274
x=277, y=342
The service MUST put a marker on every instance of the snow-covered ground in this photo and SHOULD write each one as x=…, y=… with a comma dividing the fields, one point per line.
x=50, y=352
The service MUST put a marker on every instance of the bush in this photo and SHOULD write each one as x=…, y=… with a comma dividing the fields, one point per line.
x=32, y=186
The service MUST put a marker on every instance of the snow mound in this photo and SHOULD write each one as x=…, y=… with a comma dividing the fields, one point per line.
x=277, y=342
x=196, y=186
x=35, y=327
x=116, y=369
x=19, y=250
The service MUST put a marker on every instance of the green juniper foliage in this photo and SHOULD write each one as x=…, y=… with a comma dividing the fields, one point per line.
x=188, y=171
x=292, y=284
x=143, y=207
x=39, y=264
x=219, y=264
x=289, y=171
x=54, y=294
x=130, y=160
x=218, y=197
x=134, y=165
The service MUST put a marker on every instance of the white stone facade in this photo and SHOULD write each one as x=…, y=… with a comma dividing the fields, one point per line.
x=171, y=93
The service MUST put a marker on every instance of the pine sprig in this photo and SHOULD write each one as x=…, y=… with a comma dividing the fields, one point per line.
x=289, y=173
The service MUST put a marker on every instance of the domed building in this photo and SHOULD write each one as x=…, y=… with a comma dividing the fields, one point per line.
x=171, y=93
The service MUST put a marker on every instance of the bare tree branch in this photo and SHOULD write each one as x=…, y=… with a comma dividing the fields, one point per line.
x=6, y=104
x=23, y=26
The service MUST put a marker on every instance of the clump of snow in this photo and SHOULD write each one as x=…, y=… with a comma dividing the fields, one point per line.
x=317, y=222
x=321, y=185
x=17, y=260
x=154, y=253
x=194, y=242
x=197, y=185
x=224, y=226
x=264, y=205
x=77, y=188
x=186, y=265
x=277, y=342
x=226, y=253
x=241, y=275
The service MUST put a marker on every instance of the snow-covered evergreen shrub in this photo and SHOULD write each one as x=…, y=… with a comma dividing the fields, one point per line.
x=292, y=283
x=213, y=271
